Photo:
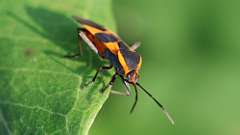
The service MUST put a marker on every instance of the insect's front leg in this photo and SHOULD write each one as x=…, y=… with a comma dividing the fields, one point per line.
x=127, y=89
x=79, y=38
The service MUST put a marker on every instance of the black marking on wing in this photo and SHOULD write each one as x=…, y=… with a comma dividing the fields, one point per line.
x=132, y=58
x=88, y=22
x=122, y=45
x=103, y=37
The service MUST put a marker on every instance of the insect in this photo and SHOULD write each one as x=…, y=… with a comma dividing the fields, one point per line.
x=124, y=59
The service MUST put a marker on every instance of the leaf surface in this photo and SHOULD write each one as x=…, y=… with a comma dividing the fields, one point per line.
x=39, y=89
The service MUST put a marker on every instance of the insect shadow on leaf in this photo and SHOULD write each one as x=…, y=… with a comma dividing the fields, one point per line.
x=62, y=31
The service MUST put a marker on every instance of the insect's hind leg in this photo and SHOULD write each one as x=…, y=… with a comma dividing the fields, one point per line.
x=79, y=38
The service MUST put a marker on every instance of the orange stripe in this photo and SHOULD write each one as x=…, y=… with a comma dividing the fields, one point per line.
x=123, y=63
x=91, y=29
x=113, y=47
x=94, y=30
x=139, y=64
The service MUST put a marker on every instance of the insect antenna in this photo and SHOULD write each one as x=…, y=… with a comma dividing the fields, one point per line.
x=158, y=103
x=136, y=99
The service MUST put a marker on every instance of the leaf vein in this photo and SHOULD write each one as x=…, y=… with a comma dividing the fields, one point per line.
x=32, y=108
x=38, y=70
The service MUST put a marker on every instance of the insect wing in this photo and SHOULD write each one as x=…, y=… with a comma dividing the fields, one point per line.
x=131, y=58
x=88, y=22
x=106, y=37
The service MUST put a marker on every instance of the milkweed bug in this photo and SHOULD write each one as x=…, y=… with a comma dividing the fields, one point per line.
x=125, y=60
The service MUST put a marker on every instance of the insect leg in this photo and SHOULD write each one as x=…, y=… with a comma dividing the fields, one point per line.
x=125, y=93
x=71, y=56
x=100, y=69
x=79, y=38
x=110, y=82
x=127, y=89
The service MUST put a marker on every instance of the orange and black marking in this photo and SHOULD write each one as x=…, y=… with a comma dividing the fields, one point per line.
x=125, y=60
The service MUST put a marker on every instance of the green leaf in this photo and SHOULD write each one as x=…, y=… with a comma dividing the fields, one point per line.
x=39, y=89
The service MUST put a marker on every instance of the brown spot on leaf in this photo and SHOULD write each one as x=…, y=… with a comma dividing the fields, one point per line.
x=29, y=52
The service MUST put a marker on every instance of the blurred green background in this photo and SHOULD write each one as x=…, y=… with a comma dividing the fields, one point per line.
x=191, y=52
